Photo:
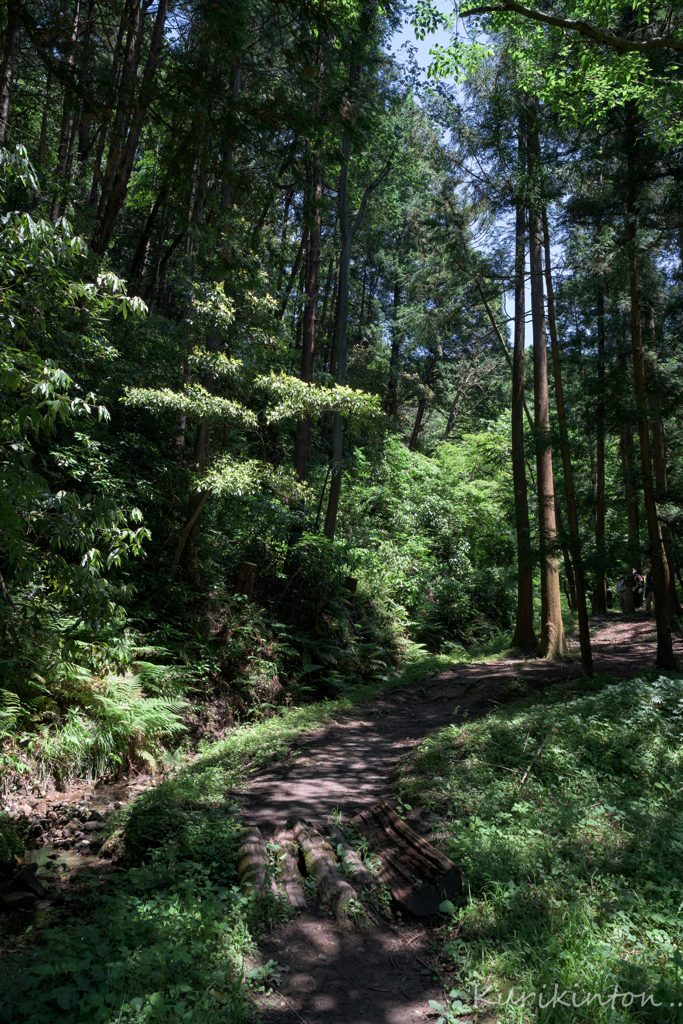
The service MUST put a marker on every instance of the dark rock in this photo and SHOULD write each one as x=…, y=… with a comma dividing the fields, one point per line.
x=94, y=826
x=17, y=901
x=26, y=881
x=140, y=780
x=114, y=846
x=95, y=816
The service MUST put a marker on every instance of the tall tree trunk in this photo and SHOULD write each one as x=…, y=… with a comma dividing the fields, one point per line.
x=659, y=453
x=552, y=643
x=124, y=105
x=661, y=493
x=312, y=282
x=9, y=58
x=632, y=513
x=660, y=572
x=97, y=177
x=422, y=404
x=124, y=165
x=566, y=558
x=572, y=513
x=600, y=597
x=283, y=240
x=88, y=52
x=154, y=282
x=457, y=403
x=524, y=634
x=340, y=341
x=391, y=403
x=64, y=131
x=326, y=301
x=228, y=194
x=348, y=231
x=42, y=146
x=293, y=274
x=142, y=250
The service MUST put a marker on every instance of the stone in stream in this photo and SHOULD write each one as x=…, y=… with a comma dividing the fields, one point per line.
x=114, y=846
x=94, y=826
x=27, y=881
x=17, y=901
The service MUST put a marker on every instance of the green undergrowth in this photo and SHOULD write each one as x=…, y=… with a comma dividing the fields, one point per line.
x=565, y=814
x=162, y=943
x=164, y=940
x=180, y=810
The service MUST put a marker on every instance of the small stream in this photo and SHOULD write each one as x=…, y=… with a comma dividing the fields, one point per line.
x=66, y=840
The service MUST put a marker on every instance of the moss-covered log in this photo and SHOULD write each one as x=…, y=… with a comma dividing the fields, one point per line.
x=354, y=868
x=252, y=865
x=321, y=865
x=290, y=877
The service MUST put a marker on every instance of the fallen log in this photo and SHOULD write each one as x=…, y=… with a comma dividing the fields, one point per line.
x=321, y=865
x=354, y=868
x=252, y=865
x=290, y=877
x=419, y=876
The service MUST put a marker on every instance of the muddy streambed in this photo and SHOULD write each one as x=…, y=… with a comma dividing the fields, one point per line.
x=66, y=838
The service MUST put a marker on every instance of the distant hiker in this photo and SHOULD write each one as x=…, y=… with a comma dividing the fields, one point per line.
x=649, y=592
x=637, y=585
x=622, y=593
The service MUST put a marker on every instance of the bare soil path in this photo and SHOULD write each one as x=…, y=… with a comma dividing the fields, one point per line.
x=387, y=975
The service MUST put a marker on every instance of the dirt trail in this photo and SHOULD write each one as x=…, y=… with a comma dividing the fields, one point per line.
x=336, y=976
x=386, y=976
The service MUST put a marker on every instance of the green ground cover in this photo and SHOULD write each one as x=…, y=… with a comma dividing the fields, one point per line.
x=169, y=938
x=565, y=813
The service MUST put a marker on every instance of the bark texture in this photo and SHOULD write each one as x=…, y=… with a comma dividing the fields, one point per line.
x=552, y=641
x=524, y=635
x=660, y=572
x=572, y=513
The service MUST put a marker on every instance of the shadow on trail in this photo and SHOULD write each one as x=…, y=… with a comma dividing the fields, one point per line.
x=349, y=977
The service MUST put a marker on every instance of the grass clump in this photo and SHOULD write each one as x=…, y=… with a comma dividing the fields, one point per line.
x=565, y=815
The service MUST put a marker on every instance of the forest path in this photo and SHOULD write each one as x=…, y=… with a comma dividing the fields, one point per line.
x=347, y=765
x=387, y=975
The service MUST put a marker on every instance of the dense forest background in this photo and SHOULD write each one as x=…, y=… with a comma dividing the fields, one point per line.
x=266, y=297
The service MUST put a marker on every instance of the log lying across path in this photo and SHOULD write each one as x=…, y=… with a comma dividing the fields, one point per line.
x=252, y=865
x=419, y=876
x=321, y=865
x=353, y=865
x=290, y=877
